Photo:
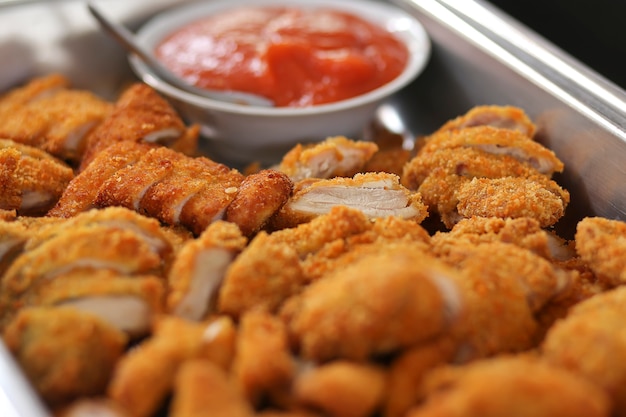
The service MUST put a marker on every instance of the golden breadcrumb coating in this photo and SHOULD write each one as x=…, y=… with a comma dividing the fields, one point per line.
x=336, y=156
x=511, y=386
x=260, y=195
x=264, y=274
x=263, y=365
x=199, y=269
x=534, y=197
x=504, y=117
x=363, y=310
x=407, y=372
x=64, y=352
x=140, y=115
x=590, y=341
x=202, y=389
x=601, y=243
x=82, y=190
x=342, y=388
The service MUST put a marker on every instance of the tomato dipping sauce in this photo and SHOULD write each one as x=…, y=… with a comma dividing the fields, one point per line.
x=296, y=57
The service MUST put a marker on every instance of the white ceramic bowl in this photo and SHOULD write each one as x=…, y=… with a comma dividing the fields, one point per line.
x=240, y=133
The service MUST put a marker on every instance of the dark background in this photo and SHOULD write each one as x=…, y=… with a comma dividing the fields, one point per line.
x=592, y=31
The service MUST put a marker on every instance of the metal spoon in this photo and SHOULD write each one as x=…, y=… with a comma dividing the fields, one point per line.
x=127, y=40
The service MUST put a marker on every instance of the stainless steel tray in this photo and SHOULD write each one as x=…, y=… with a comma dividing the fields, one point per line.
x=480, y=56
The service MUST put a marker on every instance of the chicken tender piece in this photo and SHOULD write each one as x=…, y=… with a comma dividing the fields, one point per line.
x=34, y=89
x=541, y=279
x=407, y=372
x=140, y=115
x=514, y=197
x=260, y=196
x=511, y=386
x=467, y=162
x=31, y=181
x=264, y=275
x=145, y=376
x=338, y=223
x=503, y=117
x=363, y=310
x=201, y=389
x=82, y=190
x=13, y=238
x=601, y=243
x=199, y=270
x=384, y=234
x=590, y=341
x=64, y=352
x=342, y=388
x=498, y=142
x=375, y=194
x=127, y=303
x=263, y=366
x=336, y=156
x=523, y=231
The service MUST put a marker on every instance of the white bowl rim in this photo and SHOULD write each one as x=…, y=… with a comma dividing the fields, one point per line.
x=405, y=26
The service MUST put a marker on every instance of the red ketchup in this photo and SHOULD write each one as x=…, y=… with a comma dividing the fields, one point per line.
x=293, y=56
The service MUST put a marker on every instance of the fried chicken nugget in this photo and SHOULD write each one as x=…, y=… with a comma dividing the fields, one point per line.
x=512, y=386
x=601, y=243
x=364, y=309
x=199, y=270
x=535, y=197
x=262, y=276
x=375, y=194
x=260, y=195
x=590, y=341
x=263, y=366
x=342, y=388
x=407, y=372
x=140, y=115
x=336, y=156
x=143, y=377
x=82, y=190
x=201, y=389
x=522, y=231
x=310, y=237
x=64, y=352
x=504, y=117
x=31, y=181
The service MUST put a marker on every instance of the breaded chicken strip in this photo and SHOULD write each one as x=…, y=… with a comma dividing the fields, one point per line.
x=364, y=309
x=511, y=386
x=601, y=243
x=263, y=366
x=64, y=352
x=503, y=117
x=341, y=388
x=47, y=113
x=31, y=181
x=375, y=194
x=260, y=195
x=522, y=231
x=338, y=223
x=265, y=274
x=336, y=156
x=144, y=377
x=590, y=341
x=513, y=197
x=82, y=190
x=199, y=269
x=407, y=372
x=140, y=115
x=13, y=238
x=127, y=303
x=384, y=232
x=202, y=389
x=498, y=142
